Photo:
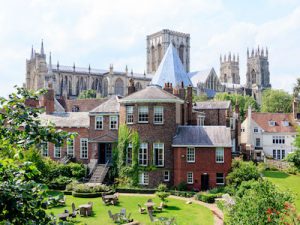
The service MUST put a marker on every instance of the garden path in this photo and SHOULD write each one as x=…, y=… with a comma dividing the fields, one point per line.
x=218, y=214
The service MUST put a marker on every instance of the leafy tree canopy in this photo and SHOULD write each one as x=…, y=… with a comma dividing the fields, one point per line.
x=243, y=101
x=275, y=101
x=296, y=89
x=87, y=94
x=200, y=98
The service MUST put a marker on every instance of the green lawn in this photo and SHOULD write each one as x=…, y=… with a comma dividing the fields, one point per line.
x=286, y=182
x=185, y=214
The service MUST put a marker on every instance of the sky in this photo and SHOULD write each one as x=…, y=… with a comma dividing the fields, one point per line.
x=101, y=32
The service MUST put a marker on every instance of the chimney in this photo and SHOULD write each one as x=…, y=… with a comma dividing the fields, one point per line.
x=131, y=87
x=189, y=101
x=168, y=87
x=181, y=91
x=47, y=100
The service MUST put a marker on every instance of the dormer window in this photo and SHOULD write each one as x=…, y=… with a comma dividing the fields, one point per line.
x=272, y=123
x=285, y=123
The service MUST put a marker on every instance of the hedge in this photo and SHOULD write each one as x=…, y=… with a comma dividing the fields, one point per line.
x=88, y=195
x=136, y=190
x=206, y=197
x=185, y=194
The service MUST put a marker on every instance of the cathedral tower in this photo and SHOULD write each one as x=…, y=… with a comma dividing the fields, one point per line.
x=158, y=43
x=258, y=75
x=229, y=69
x=258, y=69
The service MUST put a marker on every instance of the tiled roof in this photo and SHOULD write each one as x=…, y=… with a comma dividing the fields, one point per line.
x=262, y=120
x=151, y=94
x=212, y=105
x=110, y=106
x=171, y=70
x=202, y=136
x=70, y=119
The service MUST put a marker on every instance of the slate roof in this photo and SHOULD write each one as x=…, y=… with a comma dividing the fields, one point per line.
x=151, y=94
x=70, y=119
x=212, y=105
x=171, y=70
x=202, y=136
x=110, y=106
x=200, y=76
x=262, y=120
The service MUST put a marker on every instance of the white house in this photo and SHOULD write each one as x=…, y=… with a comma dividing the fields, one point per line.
x=268, y=134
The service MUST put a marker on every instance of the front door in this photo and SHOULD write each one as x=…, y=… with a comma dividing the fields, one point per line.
x=105, y=153
x=204, y=182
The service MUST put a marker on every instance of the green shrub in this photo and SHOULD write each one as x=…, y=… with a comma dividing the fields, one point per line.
x=87, y=195
x=162, y=187
x=71, y=185
x=292, y=170
x=59, y=183
x=220, y=204
x=84, y=188
x=206, y=197
x=185, y=194
x=217, y=190
x=182, y=186
x=162, y=195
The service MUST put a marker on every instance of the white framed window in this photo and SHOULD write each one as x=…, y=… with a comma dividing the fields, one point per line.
x=201, y=120
x=278, y=154
x=243, y=129
x=84, y=149
x=144, y=178
x=143, y=114
x=166, y=175
x=158, y=154
x=285, y=123
x=274, y=154
x=45, y=149
x=255, y=130
x=113, y=122
x=190, y=178
x=190, y=154
x=219, y=155
x=99, y=123
x=70, y=147
x=158, y=117
x=278, y=139
x=257, y=142
x=143, y=154
x=129, y=154
x=129, y=114
x=57, y=151
x=220, y=179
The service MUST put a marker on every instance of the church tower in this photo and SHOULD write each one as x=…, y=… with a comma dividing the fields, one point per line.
x=158, y=43
x=258, y=75
x=229, y=69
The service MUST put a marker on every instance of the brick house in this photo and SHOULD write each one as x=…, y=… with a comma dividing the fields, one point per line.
x=202, y=157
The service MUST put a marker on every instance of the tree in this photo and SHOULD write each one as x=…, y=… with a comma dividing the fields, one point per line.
x=162, y=192
x=243, y=101
x=20, y=128
x=296, y=89
x=21, y=197
x=261, y=203
x=275, y=101
x=87, y=94
x=200, y=98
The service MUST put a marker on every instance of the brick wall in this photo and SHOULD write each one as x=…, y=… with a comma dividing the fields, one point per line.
x=151, y=133
x=205, y=162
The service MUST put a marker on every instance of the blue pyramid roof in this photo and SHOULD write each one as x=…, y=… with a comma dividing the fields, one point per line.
x=171, y=70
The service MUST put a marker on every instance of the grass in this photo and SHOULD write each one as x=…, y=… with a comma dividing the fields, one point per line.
x=185, y=214
x=286, y=182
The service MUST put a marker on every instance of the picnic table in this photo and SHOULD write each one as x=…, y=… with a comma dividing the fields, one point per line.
x=149, y=205
x=63, y=216
x=110, y=197
x=85, y=207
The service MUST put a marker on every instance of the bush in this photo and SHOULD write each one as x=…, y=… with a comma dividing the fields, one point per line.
x=182, y=186
x=220, y=204
x=185, y=194
x=87, y=195
x=292, y=170
x=84, y=188
x=206, y=197
x=294, y=158
x=71, y=185
x=217, y=190
x=162, y=187
x=136, y=190
x=59, y=183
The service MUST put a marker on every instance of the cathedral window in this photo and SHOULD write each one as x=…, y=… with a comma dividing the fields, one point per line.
x=159, y=53
x=181, y=53
x=153, y=58
x=119, y=87
x=253, y=76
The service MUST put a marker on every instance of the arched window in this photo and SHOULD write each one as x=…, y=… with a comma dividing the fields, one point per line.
x=105, y=87
x=225, y=78
x=159, y=53
x=253, y=76
x=153, y=58
x=233, y=78
x=138, y=86
x=181, y=53
x=77, y=87
x=119, y=87
x=70, y=86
